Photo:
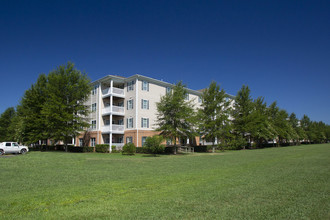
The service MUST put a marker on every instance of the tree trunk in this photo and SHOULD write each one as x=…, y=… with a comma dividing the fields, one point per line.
x=174, y=152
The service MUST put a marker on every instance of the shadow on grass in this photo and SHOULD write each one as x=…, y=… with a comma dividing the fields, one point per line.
x=151, y=155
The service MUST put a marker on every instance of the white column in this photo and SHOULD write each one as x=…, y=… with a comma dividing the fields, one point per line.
x=111, y=104
x=136, y=111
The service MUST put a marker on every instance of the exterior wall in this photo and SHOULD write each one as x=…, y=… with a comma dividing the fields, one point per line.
x=92, y=134
x=137, y=139
x=153, y=96
x=130, y=113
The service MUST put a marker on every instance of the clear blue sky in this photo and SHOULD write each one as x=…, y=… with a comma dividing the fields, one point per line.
x=281, y=49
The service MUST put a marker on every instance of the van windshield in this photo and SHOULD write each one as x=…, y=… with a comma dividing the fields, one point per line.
x=15, y=144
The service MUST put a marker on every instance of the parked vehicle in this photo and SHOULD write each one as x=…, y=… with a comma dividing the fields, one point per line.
x=12, y=148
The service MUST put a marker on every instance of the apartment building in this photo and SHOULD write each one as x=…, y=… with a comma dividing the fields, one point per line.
x=123, y=110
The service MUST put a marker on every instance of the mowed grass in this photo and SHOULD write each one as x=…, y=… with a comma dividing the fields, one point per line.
x=274, y=183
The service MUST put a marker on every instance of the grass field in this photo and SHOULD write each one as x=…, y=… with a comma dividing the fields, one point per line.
x=274, y=183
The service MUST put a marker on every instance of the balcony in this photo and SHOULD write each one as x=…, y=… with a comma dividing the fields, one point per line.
x=115, y=110
x=116, y=129
x=115, y=92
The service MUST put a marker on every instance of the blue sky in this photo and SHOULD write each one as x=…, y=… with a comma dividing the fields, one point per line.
x=280, y=49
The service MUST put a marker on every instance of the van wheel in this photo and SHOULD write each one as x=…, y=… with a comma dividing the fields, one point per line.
x=23, y=151
x=2, y=152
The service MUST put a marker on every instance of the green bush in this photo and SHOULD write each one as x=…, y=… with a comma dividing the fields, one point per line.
x=129, y=149
x=140, y=150
x=88, y=149
x=102, y=148
x=153, y=145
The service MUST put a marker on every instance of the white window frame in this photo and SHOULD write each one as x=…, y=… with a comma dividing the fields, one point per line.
x=129, y=139
x=145, y=86
x=94, y=90
x=94, y=107
x=93, y=125
x=143, y=140
x=130, y=86
x=93, y=142
x=129, y=123
x=144, y=122
x=130, y=104
x=144, y=104
x=81, y=142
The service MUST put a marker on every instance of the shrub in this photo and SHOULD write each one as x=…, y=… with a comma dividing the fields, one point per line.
x=140, y=150
x=129, y=149
x=88, y=149
x=153, y=145
x=102, y=148
x=114, y=149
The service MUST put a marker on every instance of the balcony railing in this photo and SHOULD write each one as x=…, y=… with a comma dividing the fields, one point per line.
x=115, y=109
x=115, y=128
x=115, y=91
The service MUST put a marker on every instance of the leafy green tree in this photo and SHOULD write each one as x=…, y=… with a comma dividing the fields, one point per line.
x=175, y=117
x=261, y=130
x=279, y=121
x=32, y=123
x=306, y=126
x=153, y=145
x=65, y=112
x=299, y=132
x=214, y=114
x=243, y=121
x=6, y=119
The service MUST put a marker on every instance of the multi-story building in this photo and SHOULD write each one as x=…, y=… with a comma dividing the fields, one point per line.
x=124, y=109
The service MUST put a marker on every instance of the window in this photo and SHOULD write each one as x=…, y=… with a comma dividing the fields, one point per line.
x=81, y=142
x=129, y=123
x=93, y=142
x=145, y=86
x=94, y=91
x=129, y=104
x=94, y=107
x=129, y=140
x=130, y=86
x=199, y=99
x=145, y=104
x=187, y=97
x=93, y=124
x=8, y=144
x=107, y=122
x=145, y=122
x=168, y=90
x=143, y=141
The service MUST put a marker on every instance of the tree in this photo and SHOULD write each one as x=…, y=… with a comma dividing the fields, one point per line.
x=294, y=122
x=32, y=123
x=242, y=118
x=279, y=119
x=65, y=112
x=306, y=126
x=6, y=119
x=175, y=117
x=214, y=114
x=261, y=130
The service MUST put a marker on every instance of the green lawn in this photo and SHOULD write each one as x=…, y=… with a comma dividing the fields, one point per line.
x=274, y=183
